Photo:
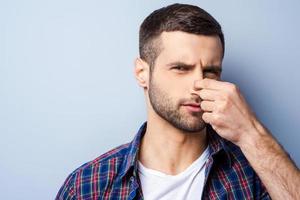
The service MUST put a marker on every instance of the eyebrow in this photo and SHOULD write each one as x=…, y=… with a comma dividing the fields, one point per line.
x=207, y=68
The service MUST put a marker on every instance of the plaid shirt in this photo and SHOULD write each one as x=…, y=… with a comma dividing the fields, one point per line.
x=114, y=175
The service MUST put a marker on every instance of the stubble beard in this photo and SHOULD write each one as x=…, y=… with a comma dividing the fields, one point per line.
x=163, y=105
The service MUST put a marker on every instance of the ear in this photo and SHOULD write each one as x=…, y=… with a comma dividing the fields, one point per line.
x=141, y=72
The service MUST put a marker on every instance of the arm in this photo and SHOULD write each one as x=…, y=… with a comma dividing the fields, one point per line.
x=228, y=113
x=274, y=167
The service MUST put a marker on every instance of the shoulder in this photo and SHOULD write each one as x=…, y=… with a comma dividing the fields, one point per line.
x=106, y=166
x=112, y=156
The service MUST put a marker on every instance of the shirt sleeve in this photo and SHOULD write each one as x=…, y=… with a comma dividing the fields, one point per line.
x=67, y=190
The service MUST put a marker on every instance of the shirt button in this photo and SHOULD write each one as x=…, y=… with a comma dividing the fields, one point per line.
x=131, y=179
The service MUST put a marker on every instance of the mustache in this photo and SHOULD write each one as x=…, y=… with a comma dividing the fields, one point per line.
x=196, y=100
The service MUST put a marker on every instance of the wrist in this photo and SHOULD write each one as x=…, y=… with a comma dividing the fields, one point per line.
x=255, y=135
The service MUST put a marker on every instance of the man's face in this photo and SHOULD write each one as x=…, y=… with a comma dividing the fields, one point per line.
x=184, y=59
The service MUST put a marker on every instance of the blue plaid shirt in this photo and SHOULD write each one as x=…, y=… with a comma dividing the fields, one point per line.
x=114, y=175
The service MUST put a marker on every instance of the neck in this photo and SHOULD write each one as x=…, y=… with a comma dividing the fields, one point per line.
x=168, y=149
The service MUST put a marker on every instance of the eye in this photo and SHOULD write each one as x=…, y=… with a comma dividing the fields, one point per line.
x=180, y=68
x=211, y=74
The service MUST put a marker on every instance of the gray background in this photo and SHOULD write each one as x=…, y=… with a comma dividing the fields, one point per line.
x=67, y=91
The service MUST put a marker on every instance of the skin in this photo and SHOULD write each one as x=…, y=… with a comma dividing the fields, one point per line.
x=175, y=136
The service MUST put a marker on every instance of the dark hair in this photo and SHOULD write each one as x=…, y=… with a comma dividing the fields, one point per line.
x=175, y=17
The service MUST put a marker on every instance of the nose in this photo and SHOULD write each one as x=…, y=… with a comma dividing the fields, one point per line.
x=197, y=85
x=197, y=77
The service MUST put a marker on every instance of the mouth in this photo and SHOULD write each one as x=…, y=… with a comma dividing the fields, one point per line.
x=192, y=107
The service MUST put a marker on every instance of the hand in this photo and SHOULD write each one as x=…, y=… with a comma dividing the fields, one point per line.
x=226, y=110
x=230, y=116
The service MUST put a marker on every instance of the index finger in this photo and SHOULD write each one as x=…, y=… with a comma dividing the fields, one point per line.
x=212, y=84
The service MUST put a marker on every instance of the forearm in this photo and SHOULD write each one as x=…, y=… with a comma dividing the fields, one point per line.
x=277, y=171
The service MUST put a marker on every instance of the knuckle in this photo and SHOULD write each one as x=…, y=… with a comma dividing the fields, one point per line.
x=217, y=120
x=233, y=88
x=227, y=104
x=226, y=96
x=222, y=106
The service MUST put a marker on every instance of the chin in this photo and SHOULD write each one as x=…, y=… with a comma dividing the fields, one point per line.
x=191, y=127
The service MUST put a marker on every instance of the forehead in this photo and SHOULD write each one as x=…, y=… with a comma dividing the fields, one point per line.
x=187, y=47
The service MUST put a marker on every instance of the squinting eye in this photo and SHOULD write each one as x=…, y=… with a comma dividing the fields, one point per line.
x=211, y=74
x=180, y=68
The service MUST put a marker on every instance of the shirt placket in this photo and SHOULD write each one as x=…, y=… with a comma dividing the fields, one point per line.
x=134, y=191
x=209, y=165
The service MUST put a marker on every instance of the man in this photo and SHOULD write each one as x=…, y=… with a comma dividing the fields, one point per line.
x=201, y=140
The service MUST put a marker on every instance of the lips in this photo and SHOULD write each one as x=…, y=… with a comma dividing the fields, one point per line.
x=192, y=104
x=192, y=107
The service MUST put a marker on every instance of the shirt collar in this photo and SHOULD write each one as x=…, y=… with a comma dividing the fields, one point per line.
x=215, y=142
x=130, y=161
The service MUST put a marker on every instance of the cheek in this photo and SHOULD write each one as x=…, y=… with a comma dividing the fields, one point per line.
x=176, y=86
x=177, y=91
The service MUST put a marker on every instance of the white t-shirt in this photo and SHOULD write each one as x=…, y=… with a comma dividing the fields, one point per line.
x=185, y=185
